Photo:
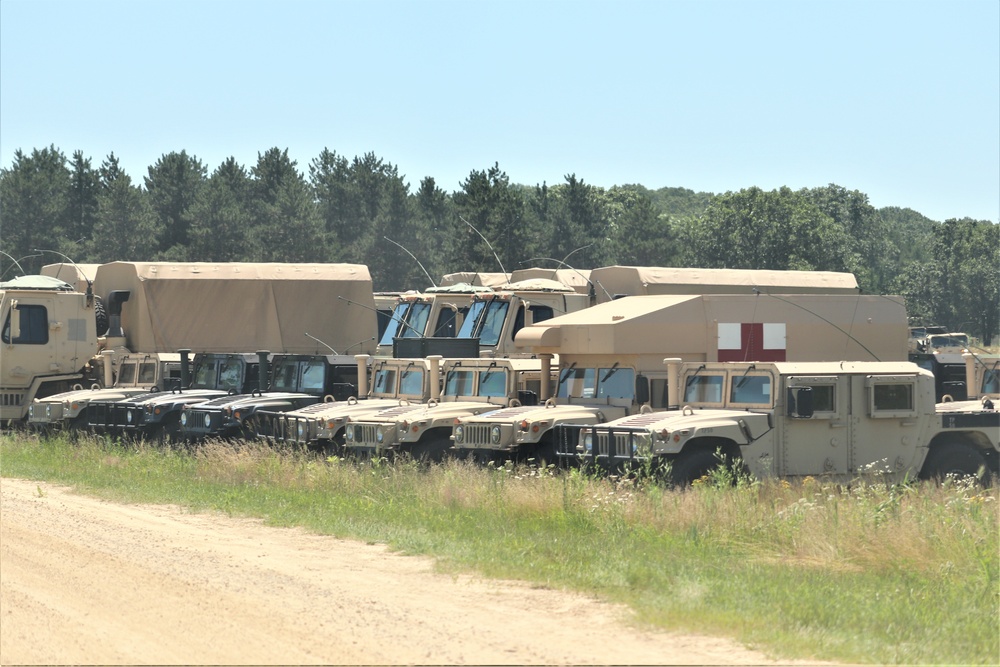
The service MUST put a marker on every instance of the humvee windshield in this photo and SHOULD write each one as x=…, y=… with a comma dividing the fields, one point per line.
x=703, y=389
x=205, y=373
x=126, y=374
x=493, y=382
x=991, y=382
x=411, y=381
x=751, y=389
x=385, y=381
x=612, y=382
x=460, y=382
x=230, y=375
x=147, y=372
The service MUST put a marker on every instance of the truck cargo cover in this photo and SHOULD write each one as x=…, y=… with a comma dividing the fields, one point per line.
x=244, y=307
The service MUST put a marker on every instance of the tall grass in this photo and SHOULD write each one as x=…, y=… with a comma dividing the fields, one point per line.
x=870, y=572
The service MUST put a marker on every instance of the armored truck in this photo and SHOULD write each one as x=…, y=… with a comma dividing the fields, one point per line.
x=437, y=312
x=48, y=338
x=610, y=355
x=836, y=420
x=295, y=381
x=424, y=431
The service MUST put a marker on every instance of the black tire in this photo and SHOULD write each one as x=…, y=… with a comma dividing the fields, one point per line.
x=100, y=316
x=957, y=459
x=691, y=466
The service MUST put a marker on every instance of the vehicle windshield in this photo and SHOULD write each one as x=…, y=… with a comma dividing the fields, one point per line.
x=205, y=373
x=703, y=389
x=126, y=374
x=147, y=372
x=460, y=382
x=313, y=376
x=485, y=322
x=411, y=382
x=751, y=389
x=493, y=382
x=284, y=375
x=230, y=375
x=417, y=321
x=613, y=382
x=398, y=315
x=385, y=382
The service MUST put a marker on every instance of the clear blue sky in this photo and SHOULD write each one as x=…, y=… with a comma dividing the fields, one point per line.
x=897, y=99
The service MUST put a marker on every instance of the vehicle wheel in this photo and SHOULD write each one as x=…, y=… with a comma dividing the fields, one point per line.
x=691, y=466
x=100, y=316
x=430, y=449
x=957, y=459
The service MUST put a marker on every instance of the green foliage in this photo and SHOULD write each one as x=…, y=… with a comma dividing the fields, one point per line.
x=343, y=209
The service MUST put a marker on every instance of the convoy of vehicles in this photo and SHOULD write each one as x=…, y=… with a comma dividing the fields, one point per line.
x=792, y=373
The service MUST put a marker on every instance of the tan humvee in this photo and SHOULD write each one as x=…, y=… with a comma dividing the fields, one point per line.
x=470, y=386
x=611, y=355
x=837, y=420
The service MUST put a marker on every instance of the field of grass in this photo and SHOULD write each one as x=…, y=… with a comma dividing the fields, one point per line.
x=870, y=573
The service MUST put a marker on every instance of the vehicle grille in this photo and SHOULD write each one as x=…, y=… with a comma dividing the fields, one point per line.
x=477, y=435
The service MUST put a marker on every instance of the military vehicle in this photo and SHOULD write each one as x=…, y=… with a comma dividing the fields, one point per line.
x=137, y=374
x=617, y=281
x=940, y=351
x=437, y=312
x=834, y=420
x=156, y=415
x=423, y=431
x=610, y=355
x=49, y=337
x=982, y=373
x=295, y=381
x=395, y=382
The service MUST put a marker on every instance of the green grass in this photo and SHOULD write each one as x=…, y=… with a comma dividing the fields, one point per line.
x=871, y=573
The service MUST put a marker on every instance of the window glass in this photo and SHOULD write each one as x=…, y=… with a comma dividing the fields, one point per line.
x=411, y=382
x=991, y=382
x=703, y=389
x=460, y=383
x=34, y=326
x=126, y=374
x=658, y=393
x=493, y=382
x=577, y=383
x=205, y=374
x=385, y=381
x=417, y=321
x=471, y=317
x=398, y=314
x=541, y=313
x=284, y=375
x=492, y=322
x=313, y=377
x=751, y=389
x=147, y=372
x=893, y=397
x=445, y=327
x=616, y=383
x=230, y=375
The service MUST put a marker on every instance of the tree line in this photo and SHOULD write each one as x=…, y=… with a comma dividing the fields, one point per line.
x=357, y=210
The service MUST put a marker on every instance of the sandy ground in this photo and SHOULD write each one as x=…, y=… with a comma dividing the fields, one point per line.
x=86, y=581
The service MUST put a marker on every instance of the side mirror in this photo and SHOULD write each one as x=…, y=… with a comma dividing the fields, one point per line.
x=800, y=402
x=15, y=321
x=641, y=389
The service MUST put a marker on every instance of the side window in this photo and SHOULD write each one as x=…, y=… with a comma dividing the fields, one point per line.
x=34, y=326
x=658, y=393
x=892, y=399
x=541, y=313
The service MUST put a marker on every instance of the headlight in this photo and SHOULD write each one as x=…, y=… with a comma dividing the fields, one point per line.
x=48, y=410
x=184, y=419
x=130, y=416
x=588, y=442
x=302, y=430
x=379, y=434
x=208, y=420
x=349, y=432
x=495, y=435
x=459, y=433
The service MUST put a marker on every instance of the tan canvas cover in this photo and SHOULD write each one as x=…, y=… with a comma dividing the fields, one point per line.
x=822, y=327
x=579, y=280
x=244, y=307
x=641, y=280
x=475, y=278
x=76, y=275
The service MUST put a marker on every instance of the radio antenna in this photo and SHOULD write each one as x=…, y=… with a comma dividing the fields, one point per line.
x=487, y=243
x=400, y=246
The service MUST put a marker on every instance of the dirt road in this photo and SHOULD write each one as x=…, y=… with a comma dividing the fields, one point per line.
x=87, y=581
